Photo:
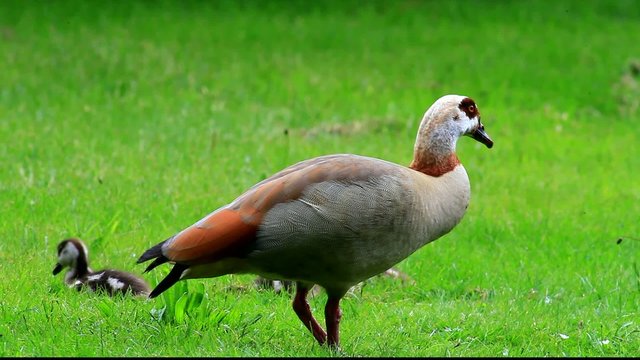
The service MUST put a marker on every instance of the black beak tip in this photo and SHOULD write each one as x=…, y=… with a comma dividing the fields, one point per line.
x=57, y=269
x=481, y=136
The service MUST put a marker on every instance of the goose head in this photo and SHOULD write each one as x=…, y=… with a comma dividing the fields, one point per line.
x=72, y=253
x=448, y=119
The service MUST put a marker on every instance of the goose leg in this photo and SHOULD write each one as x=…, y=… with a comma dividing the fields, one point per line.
x=332, y=315
x=302, y=309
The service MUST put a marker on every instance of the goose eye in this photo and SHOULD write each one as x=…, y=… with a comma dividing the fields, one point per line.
x=472, y=108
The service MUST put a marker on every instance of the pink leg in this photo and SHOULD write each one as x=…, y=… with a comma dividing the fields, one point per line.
x=302, y=309
x=332, y=315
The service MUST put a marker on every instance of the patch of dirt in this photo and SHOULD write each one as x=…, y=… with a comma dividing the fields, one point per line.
x=7, y=33
x=351, y=128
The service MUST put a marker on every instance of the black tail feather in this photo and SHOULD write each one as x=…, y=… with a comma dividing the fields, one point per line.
x=169, y=280
x=152, y=253
x=158, y=261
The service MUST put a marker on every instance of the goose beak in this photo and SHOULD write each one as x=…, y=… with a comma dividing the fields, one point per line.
x=57, y=269
x=480, y=135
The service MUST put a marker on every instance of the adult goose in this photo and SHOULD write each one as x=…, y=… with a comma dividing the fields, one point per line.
x=334, y=220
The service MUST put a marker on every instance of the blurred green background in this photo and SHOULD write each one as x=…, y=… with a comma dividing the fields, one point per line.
x=123, y=122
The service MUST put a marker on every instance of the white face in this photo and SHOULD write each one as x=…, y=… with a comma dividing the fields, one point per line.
x=464, y=113
x=454, y=114
x=68, y=255
x=463, y=123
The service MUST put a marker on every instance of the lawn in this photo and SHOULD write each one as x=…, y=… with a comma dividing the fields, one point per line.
x=123, y=122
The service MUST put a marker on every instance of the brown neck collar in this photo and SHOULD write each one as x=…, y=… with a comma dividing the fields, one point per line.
x=434, y=165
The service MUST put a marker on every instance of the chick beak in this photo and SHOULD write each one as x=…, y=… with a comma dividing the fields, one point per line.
x=57, y=269
x=480, y=135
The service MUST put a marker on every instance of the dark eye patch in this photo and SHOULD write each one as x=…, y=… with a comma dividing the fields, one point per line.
x=469, y=107
x=61, y=246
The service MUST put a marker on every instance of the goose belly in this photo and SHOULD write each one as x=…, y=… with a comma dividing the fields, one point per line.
x=347, y=232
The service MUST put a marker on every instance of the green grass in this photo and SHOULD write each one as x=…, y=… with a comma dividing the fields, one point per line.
x=124, y=122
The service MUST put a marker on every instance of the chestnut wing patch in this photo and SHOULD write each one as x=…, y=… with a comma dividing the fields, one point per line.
x=223, y=233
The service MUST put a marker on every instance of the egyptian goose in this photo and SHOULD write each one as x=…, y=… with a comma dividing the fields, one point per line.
x=73, y=253
x=334, y=220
